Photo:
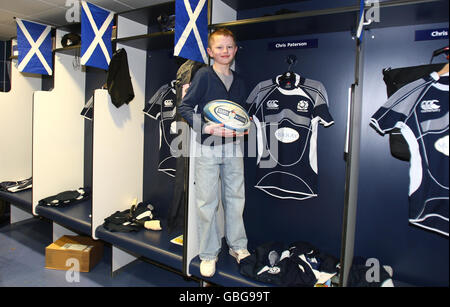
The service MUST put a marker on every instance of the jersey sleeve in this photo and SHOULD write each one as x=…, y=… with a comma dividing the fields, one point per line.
x=153, y=107
x=257, y=95
x=398, y=107
x=252, y=100
x=321, y=110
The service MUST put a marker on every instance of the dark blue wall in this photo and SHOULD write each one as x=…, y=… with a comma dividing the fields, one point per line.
x=318, y=220
x=301, y=6
x=158, y=187
x=417, y=256
x=95, y=78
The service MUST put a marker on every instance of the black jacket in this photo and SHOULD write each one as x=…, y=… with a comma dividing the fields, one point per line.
x=118, y=79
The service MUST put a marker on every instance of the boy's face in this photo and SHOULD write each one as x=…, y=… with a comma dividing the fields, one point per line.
x=222, y=49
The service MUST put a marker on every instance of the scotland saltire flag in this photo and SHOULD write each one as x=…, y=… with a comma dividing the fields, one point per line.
x=191, y=29
x=34, y=44
x=96, y=31
x=360, y=30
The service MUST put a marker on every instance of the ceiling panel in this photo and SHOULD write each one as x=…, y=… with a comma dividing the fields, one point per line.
x=53, y=12
x=25, y=7
x=55, y=16
x=6, y=17
x=110, y=5
x=142, y=3
x=60, y=3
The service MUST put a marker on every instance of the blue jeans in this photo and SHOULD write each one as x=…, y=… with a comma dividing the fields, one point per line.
x=220, y=160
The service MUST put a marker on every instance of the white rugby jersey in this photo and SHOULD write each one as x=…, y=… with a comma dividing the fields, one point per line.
x=420, y=110
x=162, y=107
x=287, y=122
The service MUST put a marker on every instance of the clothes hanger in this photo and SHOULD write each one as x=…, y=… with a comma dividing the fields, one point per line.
x=435, y=54
x=287, y=80
x=439, y=51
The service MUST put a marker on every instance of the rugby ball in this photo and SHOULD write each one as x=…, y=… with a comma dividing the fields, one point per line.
x=228, y=113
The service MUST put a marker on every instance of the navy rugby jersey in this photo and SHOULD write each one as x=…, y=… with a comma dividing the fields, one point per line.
x=420, y=110
x=287, y=122
x=162, y=107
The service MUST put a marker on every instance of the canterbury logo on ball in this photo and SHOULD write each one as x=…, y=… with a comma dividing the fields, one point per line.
x=430, y=106
x=240, y=118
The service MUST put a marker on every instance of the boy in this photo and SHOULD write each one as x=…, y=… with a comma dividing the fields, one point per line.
x=218, y=154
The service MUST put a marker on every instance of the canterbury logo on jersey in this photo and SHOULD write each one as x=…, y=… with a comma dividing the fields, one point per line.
x=302, y=106
x=272, y=104
x=430, y=106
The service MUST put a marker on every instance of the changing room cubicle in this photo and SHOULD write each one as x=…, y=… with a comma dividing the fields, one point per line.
x=357, y=214
x=16, y=109
x=62, y=147
x=328, y=50
x=403, y=37
x=59, y=142
x=126, y=145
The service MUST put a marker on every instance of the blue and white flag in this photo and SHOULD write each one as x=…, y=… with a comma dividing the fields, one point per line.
x=191, y=30
x=96, y=31
x=360, y=30
x=34, y=44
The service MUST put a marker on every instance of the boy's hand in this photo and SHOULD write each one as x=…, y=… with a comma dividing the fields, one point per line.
x=220, y=130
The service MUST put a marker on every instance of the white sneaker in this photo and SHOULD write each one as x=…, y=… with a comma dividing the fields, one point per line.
x=389, y=270
x=208, y=267
x=239, y=254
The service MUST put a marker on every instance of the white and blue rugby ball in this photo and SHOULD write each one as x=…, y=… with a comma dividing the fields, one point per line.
x=228, y=113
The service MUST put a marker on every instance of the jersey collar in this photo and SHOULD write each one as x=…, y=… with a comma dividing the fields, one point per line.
x=443, y=84
x=285, y=91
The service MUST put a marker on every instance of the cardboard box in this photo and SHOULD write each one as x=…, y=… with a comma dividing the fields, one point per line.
x=73, y=253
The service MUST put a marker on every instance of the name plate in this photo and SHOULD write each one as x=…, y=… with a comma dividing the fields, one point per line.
x=432, y=34
x=298, y=44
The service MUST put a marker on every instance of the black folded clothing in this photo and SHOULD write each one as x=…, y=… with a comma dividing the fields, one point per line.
x=16, y=186
x=65, y=198
x=300, y=265
x=129, y=220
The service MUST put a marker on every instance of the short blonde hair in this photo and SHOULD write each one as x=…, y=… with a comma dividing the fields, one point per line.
x=221, y=31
